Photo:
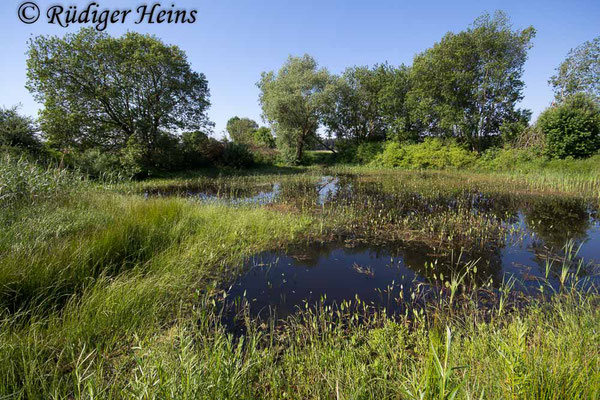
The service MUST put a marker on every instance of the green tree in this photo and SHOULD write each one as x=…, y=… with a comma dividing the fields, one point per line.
x=469, y=83
x=580, y=72
x=17, y=130
x=293, y=101
x=241, y=130
x=393, y=104
x=353, y=111
x=264, y=137
x=572, y=129
x=368, y=104
x=100, y=91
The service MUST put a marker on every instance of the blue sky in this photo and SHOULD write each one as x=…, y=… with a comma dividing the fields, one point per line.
x=232, y=42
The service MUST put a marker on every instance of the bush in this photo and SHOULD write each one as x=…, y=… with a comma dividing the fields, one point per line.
x=505, y=159
x=264, y=155
x=360, y=153
x=17, y=131
x=236, y=155
x=368, y=151
x=346, y=151
x=572, y=128
x=98, y=164
x=166, y=154
x=432, y=153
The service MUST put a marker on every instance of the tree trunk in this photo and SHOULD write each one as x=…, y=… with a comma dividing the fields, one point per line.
x=299, y=148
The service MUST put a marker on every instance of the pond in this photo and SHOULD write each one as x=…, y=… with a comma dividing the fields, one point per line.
x=504, y=233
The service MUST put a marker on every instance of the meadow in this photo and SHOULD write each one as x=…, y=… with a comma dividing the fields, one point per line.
x=124, y=290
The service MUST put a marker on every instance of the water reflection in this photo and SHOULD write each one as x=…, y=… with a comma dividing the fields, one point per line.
x=556, y=220
x=538, y=227
x=338, y=271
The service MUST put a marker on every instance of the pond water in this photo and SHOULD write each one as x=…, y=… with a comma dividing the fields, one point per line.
x=336, y=272
x=259, y=194
x=536, y=229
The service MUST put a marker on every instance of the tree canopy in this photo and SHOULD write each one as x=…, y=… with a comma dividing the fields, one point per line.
x=101, y=91
x=241, y=130
x=293, y=100
x=580, y=72
x=369, y=103
x=469, y=83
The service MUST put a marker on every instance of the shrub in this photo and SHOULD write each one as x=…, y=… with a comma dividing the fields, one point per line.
x=96, y=163
x=264, y=155
x=17, y=131
x=432, y=153
x=572, y=128
x=166, y=154
x=346, y=151
x=502, y=159
x=236, y=155
x=368, y=151
x=360, y=153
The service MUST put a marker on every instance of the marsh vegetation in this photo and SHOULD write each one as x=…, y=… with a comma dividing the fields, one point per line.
x=335, y=283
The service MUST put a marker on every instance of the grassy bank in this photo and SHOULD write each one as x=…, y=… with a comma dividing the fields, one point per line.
x=107, y=293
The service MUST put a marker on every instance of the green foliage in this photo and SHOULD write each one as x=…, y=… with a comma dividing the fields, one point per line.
x=100, y=91
x=368, y=104
x=241, y=130
x=23, y=181
x=368, y=151
x=201, y=150
x=432, y=153
x=580, y=72
x=292, y=100
x=359, y=153
x=511, y=130
x=18, y=131
x=469, y=83
x=572, y=128
x=99, y=164
x=353, y=110
x=263, y=137
x=236, y=155
x=195, y=146
x=506, y=159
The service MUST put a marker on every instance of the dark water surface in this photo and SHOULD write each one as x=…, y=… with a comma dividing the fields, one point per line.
x=533, y=249
x=286, y=280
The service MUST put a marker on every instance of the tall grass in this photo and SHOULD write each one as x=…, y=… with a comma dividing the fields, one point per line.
x=22, y=180
x=109, y=294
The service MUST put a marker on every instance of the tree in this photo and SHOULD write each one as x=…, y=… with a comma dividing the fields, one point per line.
x=241, y=130
x=264, y=137
x=293, y=100
x=580, y=72
x=469, y=83
x=100, y=91
x=17, y=130
x=572, y=128
x=353, y=111
x=369, y=103
x=393, y=104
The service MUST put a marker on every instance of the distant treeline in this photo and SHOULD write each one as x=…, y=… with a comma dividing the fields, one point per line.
x=132, y=106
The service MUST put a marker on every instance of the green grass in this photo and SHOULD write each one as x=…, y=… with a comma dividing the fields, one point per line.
x=107, y=294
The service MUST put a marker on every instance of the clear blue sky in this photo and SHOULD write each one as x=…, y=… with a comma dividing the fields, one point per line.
x=233, y=41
